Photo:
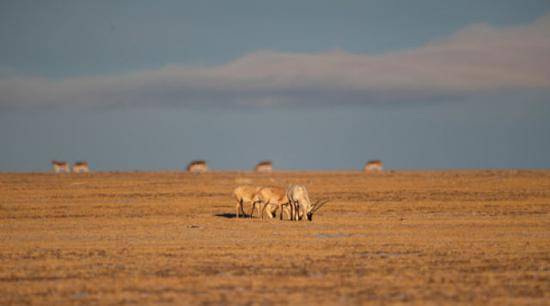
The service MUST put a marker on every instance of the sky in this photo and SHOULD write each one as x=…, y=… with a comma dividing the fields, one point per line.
x=152, y=85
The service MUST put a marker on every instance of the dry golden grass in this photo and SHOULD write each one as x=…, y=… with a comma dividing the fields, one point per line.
x=460, y=237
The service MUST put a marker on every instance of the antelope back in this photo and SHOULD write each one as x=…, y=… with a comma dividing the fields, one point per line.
x=246, y=193
x=273, y=195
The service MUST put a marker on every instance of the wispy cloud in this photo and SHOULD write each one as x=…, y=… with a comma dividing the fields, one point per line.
x=477, y=59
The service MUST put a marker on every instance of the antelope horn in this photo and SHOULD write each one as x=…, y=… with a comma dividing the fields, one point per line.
x=318, y=205
x=315, y=204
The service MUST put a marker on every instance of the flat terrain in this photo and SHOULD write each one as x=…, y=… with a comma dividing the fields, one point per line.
x=447, y=237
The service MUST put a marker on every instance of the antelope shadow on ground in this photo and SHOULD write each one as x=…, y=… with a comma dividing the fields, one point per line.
x=233, y=216
x=228, y=215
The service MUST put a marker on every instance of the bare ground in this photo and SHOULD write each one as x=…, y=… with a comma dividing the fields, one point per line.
x=447, y=237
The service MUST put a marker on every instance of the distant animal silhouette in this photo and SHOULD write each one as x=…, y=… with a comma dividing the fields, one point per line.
x=264, y=166
x=60, y=166
x=373, y=165
x=81, y=166
x=197, y=166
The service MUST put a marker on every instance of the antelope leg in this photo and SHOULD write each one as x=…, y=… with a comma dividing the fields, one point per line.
x=238, y=206
x=263, y=210
x=252, y=209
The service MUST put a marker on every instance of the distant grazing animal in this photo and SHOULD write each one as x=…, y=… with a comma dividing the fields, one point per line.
x=373, y=165
x=245, y=194
x=273, y=199
x=299, y=199
x=264, y=166
x=81, y=166
x=197, y=166
x=60, y=166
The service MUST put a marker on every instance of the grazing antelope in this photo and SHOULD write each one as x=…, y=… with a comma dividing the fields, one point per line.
x=197, y=166
x=373, y=165
x=264, y=166
x=245, y=194
x=273, y=198
x=299, y=199
x=81, y=166
x=60, y=166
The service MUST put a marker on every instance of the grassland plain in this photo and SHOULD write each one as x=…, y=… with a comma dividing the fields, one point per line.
x=440, y=237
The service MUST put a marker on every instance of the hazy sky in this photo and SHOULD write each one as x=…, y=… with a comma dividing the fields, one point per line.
x=148, y=85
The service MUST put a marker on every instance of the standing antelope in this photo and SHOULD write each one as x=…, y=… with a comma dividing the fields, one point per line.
x=299, y=199
x=373, y=165
x=60, y=166
x=197, y=166
x=264, y=166
x=273, y=198
x=81, y=166
x=245, y=194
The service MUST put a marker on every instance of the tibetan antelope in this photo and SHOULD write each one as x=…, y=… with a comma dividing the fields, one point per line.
x=264, y=166
x=245, y=194
x=197, y=166
x=60, y=166
x=299, y=199
x=81, y=166
x=273, y=199
x=373, y=165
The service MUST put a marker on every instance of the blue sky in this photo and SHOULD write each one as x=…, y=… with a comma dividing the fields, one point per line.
x=140, y=85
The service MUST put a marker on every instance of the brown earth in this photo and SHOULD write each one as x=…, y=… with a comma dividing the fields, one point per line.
x=447, y=237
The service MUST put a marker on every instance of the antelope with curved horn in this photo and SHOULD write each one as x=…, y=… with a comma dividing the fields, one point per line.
x=299, y=199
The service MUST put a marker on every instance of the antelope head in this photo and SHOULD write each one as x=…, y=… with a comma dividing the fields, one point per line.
x=315, y=207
